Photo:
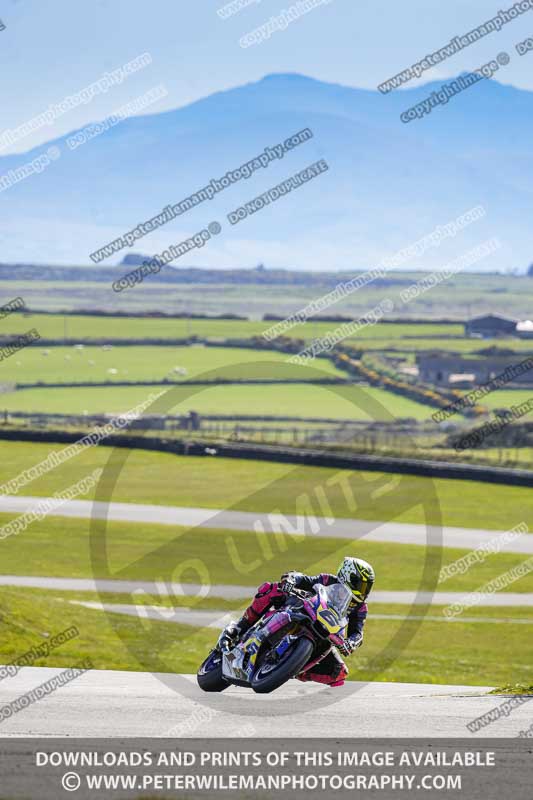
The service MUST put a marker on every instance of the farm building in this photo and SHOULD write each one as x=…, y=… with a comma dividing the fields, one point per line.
x=524, y=330
x=444, y=369
x=490, y=326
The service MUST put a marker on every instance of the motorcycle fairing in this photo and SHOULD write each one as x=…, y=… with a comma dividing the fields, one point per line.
x=239, y=662
x=329, y=616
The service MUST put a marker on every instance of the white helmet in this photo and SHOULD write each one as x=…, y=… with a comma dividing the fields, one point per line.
x=358, y=576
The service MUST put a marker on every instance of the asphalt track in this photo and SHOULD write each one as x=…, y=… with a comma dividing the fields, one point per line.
x=400, y=533
x=112, y=703
x=230, y=592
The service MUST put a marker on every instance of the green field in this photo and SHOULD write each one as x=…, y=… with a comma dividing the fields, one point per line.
x=205, y=482
x=464, y=295
x=506, y=398
x=382, y=336
x=401, y=338
x=111, y=641
x=62, y=547
x=294, y=400
x=64, y=364
x=58, y=326
x=463, y=346
x=75, y=547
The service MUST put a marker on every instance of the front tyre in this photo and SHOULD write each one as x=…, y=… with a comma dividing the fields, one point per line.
x=271, y=675
x=209, y=675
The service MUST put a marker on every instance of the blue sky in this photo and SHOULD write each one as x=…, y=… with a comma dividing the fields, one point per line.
x=49, y=50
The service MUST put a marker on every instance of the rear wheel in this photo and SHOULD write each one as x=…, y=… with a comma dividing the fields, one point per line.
x=272, y=674
x=209, y=675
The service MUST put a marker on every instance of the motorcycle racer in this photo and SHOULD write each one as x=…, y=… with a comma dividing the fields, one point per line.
x=355, y=573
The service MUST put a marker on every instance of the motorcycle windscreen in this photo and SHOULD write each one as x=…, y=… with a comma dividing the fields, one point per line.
x=338, y=597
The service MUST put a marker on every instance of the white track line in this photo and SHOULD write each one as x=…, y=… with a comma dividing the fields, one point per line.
x=219, y=619
x=229, y=592
x=397, y=532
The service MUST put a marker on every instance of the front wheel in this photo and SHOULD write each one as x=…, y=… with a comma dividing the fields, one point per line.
x=209, y=675
x=271, y=675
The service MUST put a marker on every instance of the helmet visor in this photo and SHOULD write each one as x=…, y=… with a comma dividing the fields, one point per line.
x=360, y=587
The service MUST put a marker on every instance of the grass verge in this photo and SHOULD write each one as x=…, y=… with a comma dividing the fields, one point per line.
x=113, y=641
x=165, y=479
x=517, y=688
x=61, y=547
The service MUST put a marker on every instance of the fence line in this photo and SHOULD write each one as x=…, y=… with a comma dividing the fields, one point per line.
x=294, y=455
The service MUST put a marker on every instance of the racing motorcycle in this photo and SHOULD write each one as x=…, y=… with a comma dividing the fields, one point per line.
x=283, y=643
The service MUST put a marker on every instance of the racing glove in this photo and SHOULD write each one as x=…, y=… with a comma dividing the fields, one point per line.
x=287, y=582
x=350, y=644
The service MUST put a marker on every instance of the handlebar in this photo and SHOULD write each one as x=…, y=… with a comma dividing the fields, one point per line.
x=299, y=592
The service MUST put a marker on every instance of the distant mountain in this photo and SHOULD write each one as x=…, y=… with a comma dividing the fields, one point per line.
x=133, y=260
x=388, y=183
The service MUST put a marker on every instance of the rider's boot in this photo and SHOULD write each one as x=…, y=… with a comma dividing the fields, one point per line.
x=232, y=633
x=328, y=680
